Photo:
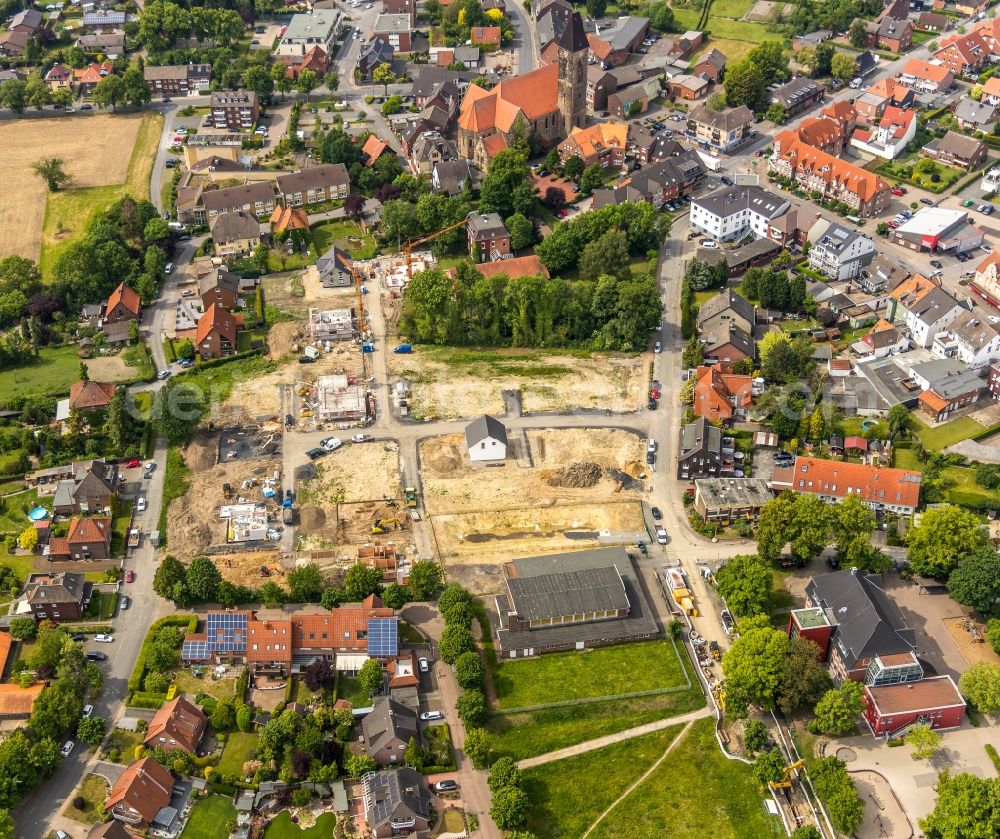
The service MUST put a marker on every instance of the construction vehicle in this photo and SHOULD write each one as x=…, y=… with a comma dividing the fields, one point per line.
x=679, y=590
x=227, y=491
x=383, y=525
x=788, y=775
x=134, y=538
x=713, y=648
x=411, y=496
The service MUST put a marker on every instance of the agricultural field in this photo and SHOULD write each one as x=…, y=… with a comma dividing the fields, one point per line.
x=568, y=795
x=447, y=383
x=106, y=155
x=723, y=802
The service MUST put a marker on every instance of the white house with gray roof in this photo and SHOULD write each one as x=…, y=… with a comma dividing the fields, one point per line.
x=969, y=338
x=306, y=30
x=733, y=211
x=841, y=253
x=486, y=439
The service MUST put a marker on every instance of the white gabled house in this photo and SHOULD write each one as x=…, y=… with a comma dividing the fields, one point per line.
x=486, y=439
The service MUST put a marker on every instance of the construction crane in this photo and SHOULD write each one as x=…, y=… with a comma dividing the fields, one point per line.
x=359, y=279
x=409, y=246
x=787, y=773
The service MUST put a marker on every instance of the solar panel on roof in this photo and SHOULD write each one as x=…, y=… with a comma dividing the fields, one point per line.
x=195, y=650
x=383, y=636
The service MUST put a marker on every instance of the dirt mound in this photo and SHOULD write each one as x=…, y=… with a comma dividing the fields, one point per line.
x=635, y=469
x=281, y=337
x=312, y=519
x=187, y=535
x=202, y=452
x=578, y=475
x=442, y=455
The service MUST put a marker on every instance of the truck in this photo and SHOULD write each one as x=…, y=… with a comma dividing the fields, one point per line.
x=154, y=538
x=288, y=515
x=403, y=349
x=311, y=352
x=713, y=163
x=134, y=538
x=679, y=590
x=411, y=496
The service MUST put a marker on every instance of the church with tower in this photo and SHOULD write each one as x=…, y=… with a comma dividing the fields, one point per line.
x=548, y=102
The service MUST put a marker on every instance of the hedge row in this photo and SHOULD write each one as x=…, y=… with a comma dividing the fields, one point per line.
x=189, y=622
x=289, y=689
x=142, y=699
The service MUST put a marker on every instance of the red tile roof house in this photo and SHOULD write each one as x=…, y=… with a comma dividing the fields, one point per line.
x=217, y=332
x=894, y=490
x=91, y=396
x=122, y=304
x=179, y=724
x=964, y=55
x=720, y=396
x=486, y=36
x=890, y=709
x=88, y=538
x=140, y=792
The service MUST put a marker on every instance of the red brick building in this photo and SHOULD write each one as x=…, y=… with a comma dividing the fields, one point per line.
x=123, y=304
x=935, y=702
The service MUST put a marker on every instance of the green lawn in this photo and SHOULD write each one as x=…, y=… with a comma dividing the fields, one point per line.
x=102, y=607
x=566, y=796
x=187, y=682
x=905, y=170
x=209, y=818
x=730, y=8
x=960, y=481
x=736, y=30
x=240, y=747
x=282, y=828
x=93, y=790
x=696, y=792
x=942, y=436
x=68, y=211
x=349, y=688
x=608, y=671
x=532, y=733
x=50, y=374
x=438, y=740
x=851, y=427
x=14, y=516
x=347, y=235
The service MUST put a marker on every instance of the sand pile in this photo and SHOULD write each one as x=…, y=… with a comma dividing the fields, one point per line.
x=577, y=475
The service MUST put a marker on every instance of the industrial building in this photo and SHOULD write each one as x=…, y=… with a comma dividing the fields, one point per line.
x=937, y=229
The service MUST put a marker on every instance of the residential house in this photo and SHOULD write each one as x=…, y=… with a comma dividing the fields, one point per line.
x=646, y=147
x=284, y=219
x=700, y=453
x=16, y=702
x=395, y=30
x=178, y=724
x=613, y=46
x=404, y=7
x=844, y=114
x=140, y=792
x=881, y=488
x=371, y=151
x=690, y=88
x=388, y=729
x=87, y=78
x=946, y=385
x=88, y=538
x=313, y=58
x=890, y=137
x=397, y=801
x=820, y=132
x=721, y=397
x=54, y=597
x=680, y=47
x=486, y=440
x=236, y=110
x=928, y=313
x=217, y=331
x=792, y=227
x=797, y=95
x=935, y=702
x=123, y=304
x=963, y=55
x=335, y=269
x=957, y=150
x=882, y=340
x=109, y=830
x=450, y=176
x=602, y=83
x=488, y=37
x=488, y=237
x=889, y=33
x=975, y=116
x=882, y=275
x=991, y=90
x=734, y=211
x=662, y=182
x=373, y=54
x=28, y=21
x=111, y=44
x=925, y=77
x=429, y=149
x=603, y=143
x=59, y=76
x=181, y=80
x=89, y=396
x=103, y=20
x=933, y=22
x=870, y=106
x=720, y=130
x=810, y=39
x=728, y=306
x=841, y=252
x=91, y=487
x=571, y=601
x=235, y=233
x=726, y=344
x=986, y=283
x=939, y=229
x=14, y=44
x=517, y=266
x=726, y=500
x=864, y=192
x=548, y=102
x=315, y=184
x=220, y=286
x=633, y=100
x=253, y=198
x=711, y=66
x=859, y=629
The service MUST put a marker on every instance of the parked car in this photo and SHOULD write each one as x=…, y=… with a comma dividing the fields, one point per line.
x=130, y=576
x=315, y=454
x=708, y=244
x=432, y=715
x=935, y=263
x=67, y=748
x=987, y=248
x=124, y=603
x=150, y=469
x=423, y=664
x=651, y=404
x=897, y=192
x=927, y=201
x=661, y=534
x=728, y=624
x=657, y=514
x=95, y=655
x=163, y=374
x=132, y=463
x=446, y=786
x=140, y=504
x=650, y=458
x=657, y=347
x=104, y=639
x=331, y=444
x=88, y=711
x=77, y=636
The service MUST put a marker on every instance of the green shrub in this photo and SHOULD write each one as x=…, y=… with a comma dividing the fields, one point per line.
x=141, y=699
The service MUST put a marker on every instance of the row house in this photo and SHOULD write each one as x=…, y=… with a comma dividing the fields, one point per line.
x=720, y=130
x=890, y=137
x=946, y=386
x=255, y=197
x=970, y=338
x=235, y=110
x=963, y=55
x=178, y=81
x=315, y=184
x=659, y=183
x=603, y=143
x=954, y=149
x=926, y=77
x=864, y=192
x=882, y=489
x=893, y=34
x=797, y=95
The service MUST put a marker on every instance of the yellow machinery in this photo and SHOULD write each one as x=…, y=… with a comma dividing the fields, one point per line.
x=787, y=773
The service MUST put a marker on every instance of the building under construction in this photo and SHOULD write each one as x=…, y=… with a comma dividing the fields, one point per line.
x=331, y=324
x=338, y=398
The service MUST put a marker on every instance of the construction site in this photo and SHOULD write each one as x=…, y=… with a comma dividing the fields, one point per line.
x=573, y=489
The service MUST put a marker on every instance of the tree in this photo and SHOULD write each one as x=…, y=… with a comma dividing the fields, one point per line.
x=573, y=167
x=505, y=189
x=555, y=197
x=596, y=8
x=842, y=65
x=591, y=179
x=383, y=75
x=770, y=59
x=745, y=582
x=224, y=716
x=395, y=596
x=966, y=808
x=943, y=536
x=803, y=520
x=854, y=522
x=358, y=765
x=753, y=668
x=244, y=718
x=768, y=768
x=319, y=675
x=803, y=679
x=471, y=707
x=305, y=583
x=776, y=113
x=425, y=579
x=185, y=349
x=504, y=773
x=522, y=231
x=168, y=576
x=469, y=670
x=37, y=93
x=976, y=581
x=925, y=741
x=50, y=170
x=899, y=421
x=509, y=808
x=745, y=85
x=332, y=80
x=258, y=79
x=413, y=755
x=980, y=684
x=23, y=629
x=755, y=735
x=392, y=105
x=455, y=640
x=607, y=255
x=857, y=37
x=478, y=746
x=13, y=94
x=807, y=831
x=307, y=82
x=91, y=730
x=832, y=784
x=838, y=709
x=360, y=581
x=109, y=91
x=370, y=676
x=137, y=90
x=354, y=205
x=7, y=826
x=694, y=352
x=203, y=579
x=28, y=539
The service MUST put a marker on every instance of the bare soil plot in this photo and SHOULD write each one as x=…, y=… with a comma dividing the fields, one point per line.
x=452, y=485
x=109, y=369
x=447, y=383
x=95, y=151
x=280, y=292
x=332, y=533
x=333, y=298
x=356, y=472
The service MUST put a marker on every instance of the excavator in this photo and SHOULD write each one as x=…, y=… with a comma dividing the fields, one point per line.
x=787, y=774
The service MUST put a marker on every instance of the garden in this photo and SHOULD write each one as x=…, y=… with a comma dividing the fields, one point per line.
x=346, y=235
x=211, y=818
x=282, y=827
x=922, y=172
x=240, y=747
x=85, y=806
